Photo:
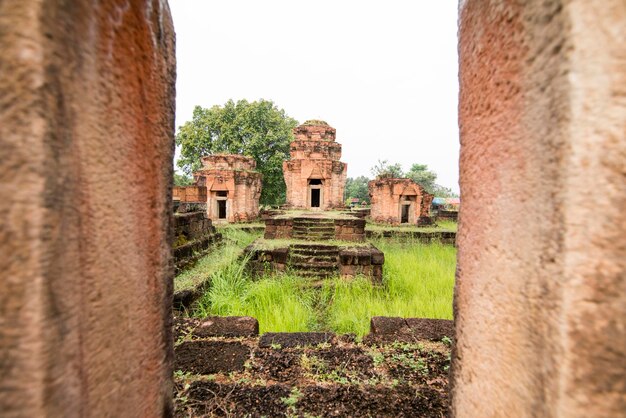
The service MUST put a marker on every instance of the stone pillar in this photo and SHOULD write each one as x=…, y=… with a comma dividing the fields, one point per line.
x=86, y=137
x=540, y=300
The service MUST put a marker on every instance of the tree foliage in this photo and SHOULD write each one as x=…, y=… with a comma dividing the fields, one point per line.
x=257, y=129
x=419, y=173
x=182, y=180
x=357, y=188
x=383, y=169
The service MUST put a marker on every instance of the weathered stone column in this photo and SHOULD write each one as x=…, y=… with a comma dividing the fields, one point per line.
x=540, y=298
x=86, y=144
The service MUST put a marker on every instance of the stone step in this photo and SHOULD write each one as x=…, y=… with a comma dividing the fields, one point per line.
x=322, y=265
x=306, y=253
x=313, y=238
x=316, y=274
x=330, y=234
x=313, y=228
x=297, y=258
x=313, y=220
x=318, y=247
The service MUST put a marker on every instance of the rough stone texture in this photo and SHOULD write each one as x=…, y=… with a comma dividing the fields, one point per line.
x=193, y=235
x=540, y=299
x=195, y=194
x=389, y=329
x=315, y=260
x=208, y=357
x=227, y=326
x=315, y=156
x=344, y=229
x=86, y=121
x=295, y=339
x=447, y=215
x=389, y=195
x=234, y=175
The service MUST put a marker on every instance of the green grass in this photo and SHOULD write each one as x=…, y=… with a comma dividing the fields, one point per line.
x=418, y=282
x=234, y=240
x=279, y=303
x=441, y=226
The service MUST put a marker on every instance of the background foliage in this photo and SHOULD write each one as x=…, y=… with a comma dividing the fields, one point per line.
x=257, y=129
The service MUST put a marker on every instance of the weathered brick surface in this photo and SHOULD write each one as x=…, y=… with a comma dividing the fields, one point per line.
x=236, y=176
x=385, y=328
x=194, y=234
x=208, y=357
x=87, y=141
x=540, y=304
x=387, y=196
x=227, y=326
x=295, y=339
x=315, y=155
x=189, y=194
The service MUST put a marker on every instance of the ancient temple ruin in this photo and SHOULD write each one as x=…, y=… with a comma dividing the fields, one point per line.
x=232, y=186
x=399, y=201
x=314, y=176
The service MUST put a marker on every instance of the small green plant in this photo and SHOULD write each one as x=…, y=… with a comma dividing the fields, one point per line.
x=276, y=346
x=447, y=341
x=312, y=364
x=378, y=358
x=292, y=399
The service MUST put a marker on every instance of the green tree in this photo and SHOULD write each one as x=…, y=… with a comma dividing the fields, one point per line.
x=357, y=187
x=182, y=180
x=420, y=174
x=441, y=191
x=383, y=169
x=258, y=129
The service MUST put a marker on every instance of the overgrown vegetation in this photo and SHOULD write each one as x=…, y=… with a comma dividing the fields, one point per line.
x=418, y=282
x=221, y=257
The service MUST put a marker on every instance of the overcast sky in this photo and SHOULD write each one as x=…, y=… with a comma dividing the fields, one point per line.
x=383, y=73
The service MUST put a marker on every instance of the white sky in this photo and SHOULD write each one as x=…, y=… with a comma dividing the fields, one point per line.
x=384, y=73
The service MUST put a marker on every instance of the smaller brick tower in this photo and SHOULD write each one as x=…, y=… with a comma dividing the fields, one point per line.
x=233, y=187
x=314, y=176
x=399, y=201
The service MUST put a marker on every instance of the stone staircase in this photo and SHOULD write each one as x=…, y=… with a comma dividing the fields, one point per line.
x=314, y=260
x=313, y=229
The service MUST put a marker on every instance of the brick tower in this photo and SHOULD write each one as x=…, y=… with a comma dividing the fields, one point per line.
x=314, y=176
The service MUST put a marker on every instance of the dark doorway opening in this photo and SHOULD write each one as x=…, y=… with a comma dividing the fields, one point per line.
x=404, y=218
x=221, y=209
x=315, y=198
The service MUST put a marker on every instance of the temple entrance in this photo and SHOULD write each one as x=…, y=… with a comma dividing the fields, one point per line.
x=221, y=209
x=221, y=197
x=315, y=198
x=315, y=193
x=404, y=217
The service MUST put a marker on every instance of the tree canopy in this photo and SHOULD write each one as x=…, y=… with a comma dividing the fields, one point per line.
x=383, y=169
x=182, y=180
x=357, y=188
x=257, y=129
x=419, y=173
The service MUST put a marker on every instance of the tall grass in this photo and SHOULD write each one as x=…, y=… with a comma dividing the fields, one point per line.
x=418, y=282
x=279, y=303
x=234, y=240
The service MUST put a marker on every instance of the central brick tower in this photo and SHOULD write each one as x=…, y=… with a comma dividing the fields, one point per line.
x=314, y=176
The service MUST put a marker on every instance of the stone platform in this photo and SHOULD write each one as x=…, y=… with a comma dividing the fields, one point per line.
x=315, y=226
x=316, y=259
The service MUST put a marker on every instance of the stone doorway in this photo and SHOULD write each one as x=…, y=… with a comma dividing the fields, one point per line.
x=221, y=212
x=315, y=193
x=404, y=213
